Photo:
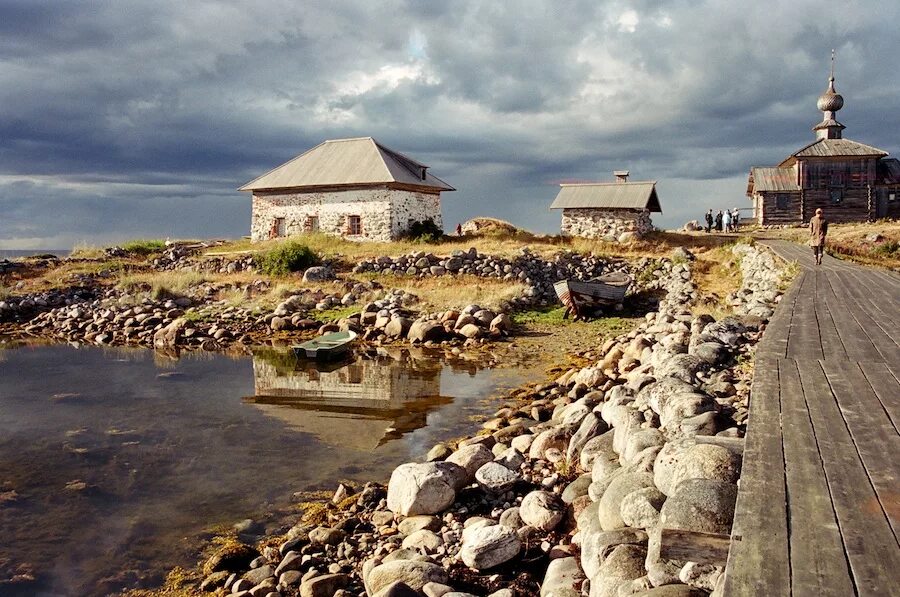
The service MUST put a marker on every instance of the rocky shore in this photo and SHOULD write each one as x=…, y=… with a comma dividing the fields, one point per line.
x=565, y=491
x=93, y=311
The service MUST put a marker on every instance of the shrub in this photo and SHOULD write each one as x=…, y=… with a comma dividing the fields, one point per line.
x=425, y=231
x=888, y=249
x=287, y=257
x=144, y=247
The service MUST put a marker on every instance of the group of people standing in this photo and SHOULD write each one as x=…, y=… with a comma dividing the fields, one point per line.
x=724, y=221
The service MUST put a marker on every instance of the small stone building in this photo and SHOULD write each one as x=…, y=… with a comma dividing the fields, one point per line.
x=850, y=181
x=355, y=188
x=614, y=211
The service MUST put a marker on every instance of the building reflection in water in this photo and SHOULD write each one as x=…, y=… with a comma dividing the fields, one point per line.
x=360, y=403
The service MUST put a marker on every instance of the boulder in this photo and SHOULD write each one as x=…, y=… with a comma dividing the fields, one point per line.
x=425, y=488
x=596, y=546
x=415, y=574
x=624, y=563
x=542, y=510
x=425, y=331
x=398, y=327
x=555, y=437
x=611, y=502
x=700, y=505
x=398, y=589
x=706, y=461
x=318, y=273
x=591, y=426
x=666, y=462
x=561, y=578
x=470, y=330
x=423, y=540
x=599, y=447
x=494, y=477
x=325, y=585
x=641, y=508
x=576, y=488
x=490, y=546
x=471, y=458
x=410, y=525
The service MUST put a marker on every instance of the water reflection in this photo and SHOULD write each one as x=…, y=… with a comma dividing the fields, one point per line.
x=112, y=459
x=359, y=403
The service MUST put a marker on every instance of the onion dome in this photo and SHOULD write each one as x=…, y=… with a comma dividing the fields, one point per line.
x=831, y=100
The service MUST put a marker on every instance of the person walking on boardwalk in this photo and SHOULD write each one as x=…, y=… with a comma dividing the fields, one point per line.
x=709, y=221
x=726, y=221
x=818, y=228
x=719, y=221
x=735, y=219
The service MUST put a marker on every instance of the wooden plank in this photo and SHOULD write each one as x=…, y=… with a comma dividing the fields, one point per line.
x=832, y=346
x=856, y=343
x=868, y=315
x=758, y=562
x=775, y=339
x=818, y=563
x=694, y=546
x=886, y=387
x=804, y=340
x=869, y=542
x=872, y=432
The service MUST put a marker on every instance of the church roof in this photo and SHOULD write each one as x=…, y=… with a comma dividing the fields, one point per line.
x=825, y=148
x=608, y=195
x=774, y=179
x=348, y=162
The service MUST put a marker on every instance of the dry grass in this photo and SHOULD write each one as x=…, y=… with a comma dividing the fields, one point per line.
x=454, y=292
x=658, y=244
x=83, y=250
x=849, y=241
x=163, y=284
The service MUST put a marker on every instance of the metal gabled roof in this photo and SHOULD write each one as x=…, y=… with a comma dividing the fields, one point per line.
x=773, y=180
x=347, y=162
x=824, y=148
x=611, y=195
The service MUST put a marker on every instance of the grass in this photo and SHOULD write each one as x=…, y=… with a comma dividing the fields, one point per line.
x=334, y=313
x=162, y=285
x=553, y=317
x=144, y=247
x=83, y=250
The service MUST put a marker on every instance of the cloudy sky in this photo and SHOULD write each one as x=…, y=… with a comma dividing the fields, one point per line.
x=122, y=119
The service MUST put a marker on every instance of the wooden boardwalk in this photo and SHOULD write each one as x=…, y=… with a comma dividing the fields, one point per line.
x=818, y=509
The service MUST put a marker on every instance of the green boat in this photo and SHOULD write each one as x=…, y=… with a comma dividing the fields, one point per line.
x=329, y=346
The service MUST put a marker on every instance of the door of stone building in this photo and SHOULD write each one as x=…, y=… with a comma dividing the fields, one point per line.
x=279, y=227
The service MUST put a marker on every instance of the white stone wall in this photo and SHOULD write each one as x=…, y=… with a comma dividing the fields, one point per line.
x=384, y=213
x=414, y=207
x=605, y=224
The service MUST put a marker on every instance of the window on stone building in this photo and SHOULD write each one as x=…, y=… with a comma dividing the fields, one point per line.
x=354, y=225
x=892, y=196
x=782, y=201
x=312, y=223
x=836, y=195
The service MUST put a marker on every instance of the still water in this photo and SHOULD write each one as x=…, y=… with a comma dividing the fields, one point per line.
x=114, y=461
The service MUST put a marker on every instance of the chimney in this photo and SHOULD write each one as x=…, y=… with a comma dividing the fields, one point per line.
x=621, y=175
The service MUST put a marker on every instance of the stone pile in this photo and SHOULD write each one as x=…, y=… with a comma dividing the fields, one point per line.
x=118, y=320
x=762, y=281
x=564, y=491
x=24, y=307
x=390, y=321
x=293, y=313
x=536, y=273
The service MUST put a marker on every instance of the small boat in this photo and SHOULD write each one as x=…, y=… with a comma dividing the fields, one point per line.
x=581, y=297
x=329, y=346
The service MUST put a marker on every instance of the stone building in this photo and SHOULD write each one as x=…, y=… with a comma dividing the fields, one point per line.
x=614, y=211
x=355, y=188
x=850, y=181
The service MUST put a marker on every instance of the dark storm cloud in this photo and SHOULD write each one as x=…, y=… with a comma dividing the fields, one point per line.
x=141, y=118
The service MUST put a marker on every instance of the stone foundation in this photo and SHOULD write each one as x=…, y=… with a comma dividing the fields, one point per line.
x=384, y=213
x=606, y=224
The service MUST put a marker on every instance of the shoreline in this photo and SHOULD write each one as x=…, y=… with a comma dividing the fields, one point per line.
x=560, y=411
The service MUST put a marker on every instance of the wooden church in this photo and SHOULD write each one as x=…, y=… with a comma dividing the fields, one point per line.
x=850, y=181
